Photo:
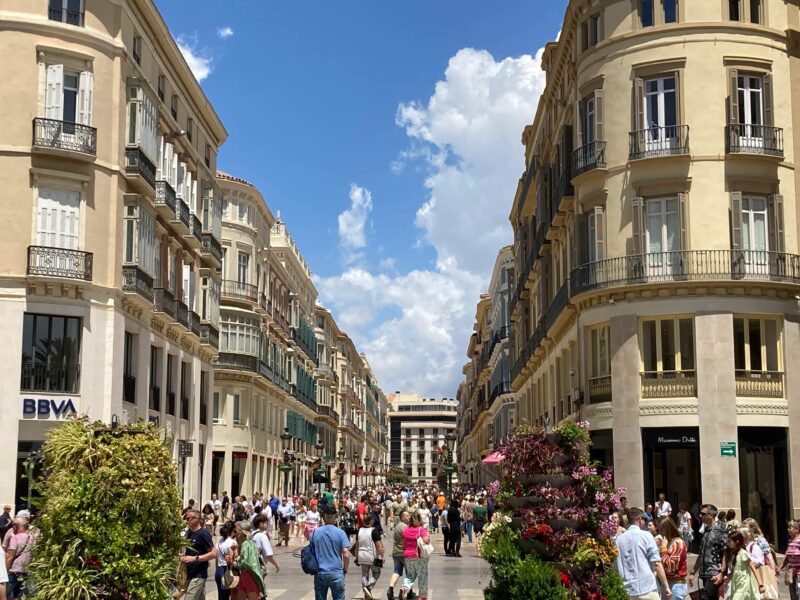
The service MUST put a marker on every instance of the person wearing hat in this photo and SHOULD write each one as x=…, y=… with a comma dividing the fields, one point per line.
x=331, y=546
x=251, y=578
x=197, y=556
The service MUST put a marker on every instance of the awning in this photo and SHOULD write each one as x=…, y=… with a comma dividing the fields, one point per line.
x=494, y=458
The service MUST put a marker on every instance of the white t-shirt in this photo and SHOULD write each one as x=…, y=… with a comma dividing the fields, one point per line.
x=217, y=505
x=665, y=509
x=223, y=547
x=261, y=540
x=312, y=518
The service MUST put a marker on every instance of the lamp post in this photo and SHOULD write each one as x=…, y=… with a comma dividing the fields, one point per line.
x=355, y=467
x=320, y=471
x=287, y=459
x=341, y=455
x=449, y=444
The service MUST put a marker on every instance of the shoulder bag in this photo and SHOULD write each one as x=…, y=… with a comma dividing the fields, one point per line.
x=423, y=550
x=308, y=557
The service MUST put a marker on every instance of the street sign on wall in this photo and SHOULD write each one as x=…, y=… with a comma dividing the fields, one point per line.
x=185, y=449
x=727, y=449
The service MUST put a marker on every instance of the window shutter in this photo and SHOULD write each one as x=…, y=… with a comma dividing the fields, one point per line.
x=580, y=241
x=733, y=96
x=600, y=233
x=777, y=241
x=678, y=115
x=85, y=85
x=598, y=115
x=579, y=109
x=42, y=89
x=638, y=104
x=638, y=225
x=46, y=228
x=682, y=200
x=54, y=107
x=736, y=220
x=768, y=108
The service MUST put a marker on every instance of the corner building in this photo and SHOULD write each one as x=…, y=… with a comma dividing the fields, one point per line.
x=110, y=291
x=655, y=243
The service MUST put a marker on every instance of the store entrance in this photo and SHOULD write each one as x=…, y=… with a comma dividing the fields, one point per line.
x=672, y=465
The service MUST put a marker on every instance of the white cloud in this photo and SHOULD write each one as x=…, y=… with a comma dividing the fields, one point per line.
x=224, y=32
x=352, y=222
x=414, y=327
x=200, y=65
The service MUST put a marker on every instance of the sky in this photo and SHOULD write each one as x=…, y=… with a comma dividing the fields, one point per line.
x=387, y=136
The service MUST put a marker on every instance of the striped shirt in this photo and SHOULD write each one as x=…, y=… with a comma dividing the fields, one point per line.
x=793, y=555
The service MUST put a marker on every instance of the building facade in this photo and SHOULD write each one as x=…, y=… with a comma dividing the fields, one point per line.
x=109, y=285
x=418, y=430
x=657, y=269
x=486, y=405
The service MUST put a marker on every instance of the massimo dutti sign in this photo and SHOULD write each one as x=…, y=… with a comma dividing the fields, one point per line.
x=673, y=437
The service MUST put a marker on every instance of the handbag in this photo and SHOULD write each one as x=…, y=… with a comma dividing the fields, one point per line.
x=230, y=578
x=424, y=550
x=771, y=591
x=308, y=558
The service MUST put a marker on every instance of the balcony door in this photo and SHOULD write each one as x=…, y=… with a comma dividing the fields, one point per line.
x=663, y=237
x=754, y=234
x=68, y=99
x=660, y=114
x=750, y=91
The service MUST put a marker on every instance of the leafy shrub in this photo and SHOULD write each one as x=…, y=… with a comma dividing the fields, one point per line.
x=535, y=580
x=498, y=545
x=611, y=584
x=110, y=523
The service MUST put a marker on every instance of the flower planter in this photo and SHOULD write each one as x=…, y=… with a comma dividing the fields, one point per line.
x=522, y=501
x=561, y=524
x=516, y=523
x=557, y=481
x=534, y=546
x=565, y=502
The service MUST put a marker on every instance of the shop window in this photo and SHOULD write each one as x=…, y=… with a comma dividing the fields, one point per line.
x=756, y=345
x=50, y=353
x=667, y=347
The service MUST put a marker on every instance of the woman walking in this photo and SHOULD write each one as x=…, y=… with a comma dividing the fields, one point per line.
x=792, y=558
x=685, y=523
x=251, y=579
x=416, y=566
x=425, y=514
x=226, y=548
x=454, y=524
x=370, y=555
x=745, y=582
x=311, y=520
x=673, y=556
x=480, y=514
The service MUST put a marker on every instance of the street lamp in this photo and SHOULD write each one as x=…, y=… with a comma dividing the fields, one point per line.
x=355, y=466
x=320, y=471
x=341, y=455
x=287, y=459
x=449, y=444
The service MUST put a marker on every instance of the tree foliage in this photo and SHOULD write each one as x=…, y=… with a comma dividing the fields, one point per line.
x=110, y=522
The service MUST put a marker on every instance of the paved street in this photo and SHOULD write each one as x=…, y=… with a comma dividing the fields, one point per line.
x=452, y=578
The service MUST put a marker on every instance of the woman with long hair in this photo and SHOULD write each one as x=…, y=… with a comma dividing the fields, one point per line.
x=792, y=558
x=311, y=520
x=745, y=580
x=226, y=548
x=674, y=551
x=416, y=566
x=763, y=544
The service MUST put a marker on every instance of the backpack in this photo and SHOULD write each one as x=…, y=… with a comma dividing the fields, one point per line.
x=348, y=523
x=308, y=558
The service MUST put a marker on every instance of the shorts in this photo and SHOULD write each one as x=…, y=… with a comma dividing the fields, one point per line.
x=293, y=518
x=399, y=564
x=247, y=584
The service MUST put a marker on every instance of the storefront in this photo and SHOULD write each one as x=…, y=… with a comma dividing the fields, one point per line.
x=672, y=464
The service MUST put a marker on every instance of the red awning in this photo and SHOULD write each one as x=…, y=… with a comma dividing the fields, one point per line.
x=494, y=458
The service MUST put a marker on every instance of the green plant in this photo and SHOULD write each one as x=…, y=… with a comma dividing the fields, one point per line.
x=612, y=586
x=572, y=435
x=499, y=547
x=110, y=526
x=535, y=580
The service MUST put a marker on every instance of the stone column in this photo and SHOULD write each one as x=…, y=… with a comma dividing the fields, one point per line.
x=628, y=452
x=716, y=395
x=791, y=344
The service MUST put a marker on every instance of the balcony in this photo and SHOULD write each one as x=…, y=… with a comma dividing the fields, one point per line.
x=182, y=314
x=194, y=323
x=753, y=139
x=165, y=200
x=52, y=134
x=171, y=403
x=759, y=384
x=600, y=389
x=558, y=304
x=237, y=361
x=209, y=335
x=137, y=164
x=672, y=140
x=504, y=387
x=182, y=219
x=302, y=397
x=281, y=320
x=129, y=388
x=164, y=302
x=211, y=248
x=669, y=384
x=266, y=370
x=195, y=236
x=687, y=265
x=154, y=402
x=43, y=377
x=61, y=263
x=327, y=411
x=588, y=157
x=63, y=15
x=236, y=290
x=136, y=281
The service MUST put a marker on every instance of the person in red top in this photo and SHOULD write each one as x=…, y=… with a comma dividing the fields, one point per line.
x=673, y=556
x=361, y=510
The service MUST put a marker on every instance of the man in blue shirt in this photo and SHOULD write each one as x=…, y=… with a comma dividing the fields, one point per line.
x=637, y=559
x=332, y=549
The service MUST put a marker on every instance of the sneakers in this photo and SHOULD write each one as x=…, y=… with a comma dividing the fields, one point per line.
x=390, y=594
x=367, y=594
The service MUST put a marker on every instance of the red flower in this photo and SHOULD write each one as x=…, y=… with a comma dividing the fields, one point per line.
x=566, y=581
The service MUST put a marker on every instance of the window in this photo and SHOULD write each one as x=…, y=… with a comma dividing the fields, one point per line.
x=407, y=459
x=756, y=345
x=756, y=15
x=68, y=96
x=735, y=10
x=58, y=218
x=646, y=13
x=242, y=267
x=51, y=347
x=670, y=11
x=162, y=87
x=758, y=231
x=155, y=378
x=237, y=409
x=170, y=384
x=596, y=227
x=656, y=115
x=66, y=11
x=137, y=49
x=186, y=374
x=173, y=106
x=141, y=246
x=203, y=397
x=129, y=368
x=590, y=111
x=143, y=121
x=189, y=128
x=599, y=345
x=667, y=346
x=239, y=333
x=208, y=156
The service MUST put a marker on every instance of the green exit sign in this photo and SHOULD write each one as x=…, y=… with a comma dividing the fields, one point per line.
x=727, y=449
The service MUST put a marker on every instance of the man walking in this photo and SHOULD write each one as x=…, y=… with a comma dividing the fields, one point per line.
x=197, y=557
x=709, y=560
x=638, y=557
x=285, y=514
x=332, y=549
x=398, y=546
x=663, y=507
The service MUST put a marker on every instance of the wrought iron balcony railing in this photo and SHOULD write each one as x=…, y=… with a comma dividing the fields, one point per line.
x=182, y=314
x=194, y=323
x=136, y=163
x=759, y=384
x=588, y=157
x=183, y=212
x=165, y=196
x=687, y=265
x=164, y=302
x=43, y=377
x=237, y=361
x=504, y=387
x=196, y=228
x=753, y=139
x=45, y=261
x=137, y=281
x=63, y=15
x=63, y=135
x=669, y=384
x=239, y=291
x=655, y=141
x=211, y=246
x=600, y=389
x=209, y=335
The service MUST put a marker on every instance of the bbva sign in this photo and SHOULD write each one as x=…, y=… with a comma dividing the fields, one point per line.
x=47, y=408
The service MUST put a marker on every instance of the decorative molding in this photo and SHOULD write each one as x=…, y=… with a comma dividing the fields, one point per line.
x=649, y=408
x=779, y=408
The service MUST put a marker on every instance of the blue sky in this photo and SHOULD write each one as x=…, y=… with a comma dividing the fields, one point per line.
x=388, y=137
